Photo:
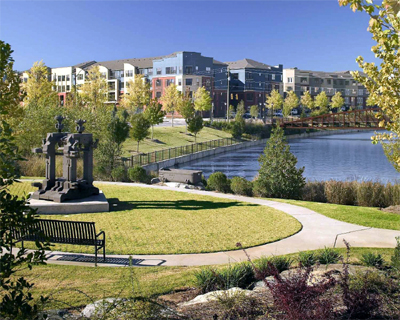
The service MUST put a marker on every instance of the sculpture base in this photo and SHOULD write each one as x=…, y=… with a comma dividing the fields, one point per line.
x=92, y=204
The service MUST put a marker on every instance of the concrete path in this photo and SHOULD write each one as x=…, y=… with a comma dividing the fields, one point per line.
x=318, y=231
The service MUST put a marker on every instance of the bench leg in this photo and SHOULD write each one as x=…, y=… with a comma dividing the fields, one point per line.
x=22, y=245
x=95, y=256
x=104, y=253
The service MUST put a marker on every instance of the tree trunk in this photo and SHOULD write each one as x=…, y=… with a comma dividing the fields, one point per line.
x=137, y=147
x=152, y=132
x=186, y=127
x=172, y=119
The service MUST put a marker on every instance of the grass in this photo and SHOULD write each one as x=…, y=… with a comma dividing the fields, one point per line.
x=169, y=137
x=76, y=285
x=363, y=216
x=153, y=221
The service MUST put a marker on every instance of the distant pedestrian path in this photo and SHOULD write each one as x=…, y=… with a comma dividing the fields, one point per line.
x=317, y=232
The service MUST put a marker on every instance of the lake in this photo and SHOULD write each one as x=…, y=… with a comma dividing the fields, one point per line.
x=338, y=156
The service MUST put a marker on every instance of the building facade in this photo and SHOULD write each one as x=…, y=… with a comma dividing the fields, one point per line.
x=355, y=95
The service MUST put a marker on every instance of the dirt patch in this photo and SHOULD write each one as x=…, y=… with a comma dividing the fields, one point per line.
x=392, y=209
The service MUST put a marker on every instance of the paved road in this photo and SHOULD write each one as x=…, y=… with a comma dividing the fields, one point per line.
x=317, y=232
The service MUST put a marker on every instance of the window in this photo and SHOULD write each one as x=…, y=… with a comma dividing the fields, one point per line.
x=63, y=78
x=328, y=81
x=208, y=82
x=208, y=69
x=354, y=91
x=197, y=68
x=179, y=82
x=62, y=88
x=353, y=83
x=111, y=86
x=346, y=82
x=259, y=84
x=80, y=76
x=273, y=77
x=121, y=85
x=158, y=83
x=104, y=75
x=346, y=100
x=290, y=80
x=360, y=92
x=334, y=82
x=158, y=94
x=188, y=70
x=170, y=81
x=170, y=70
x=129, y=73
x=359, y=100
x=150, y=72
x=68, y=77
x=347, y=92
x=158, y=70
x=111, y=96
x=316, y=89
x=68, y=87
x=188, y=82
x=249, y=97
x=249, y=76
x=198, y=81
x=231, y=96
x=303, y=80
x=54, y=78
x=235, y=76
x=59, y=78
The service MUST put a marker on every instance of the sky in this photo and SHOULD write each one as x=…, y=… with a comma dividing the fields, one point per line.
x=313, y=35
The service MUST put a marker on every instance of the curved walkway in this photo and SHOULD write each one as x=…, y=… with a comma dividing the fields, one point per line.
x=318, y=231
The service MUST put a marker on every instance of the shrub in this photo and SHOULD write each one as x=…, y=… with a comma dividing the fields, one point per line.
x=138, y=174
x=241, y=186
x=395, y=259
x=307, y=258
x=371, y=194
x=118, y=173
x=340, y=192
x=392, y=194
x=219, y=182
x=280, y=263
x=237, y=128
x=371, y=259
x=328, y=256
x=314, y=191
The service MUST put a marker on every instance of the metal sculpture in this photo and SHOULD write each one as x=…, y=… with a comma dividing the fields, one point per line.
x=73, y=146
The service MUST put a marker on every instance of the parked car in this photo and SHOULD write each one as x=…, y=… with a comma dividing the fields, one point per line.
x=278, y=113
x=294, y=112
x=247, y=115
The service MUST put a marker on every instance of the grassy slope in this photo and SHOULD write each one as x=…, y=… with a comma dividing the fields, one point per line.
x=77, y=286
x=151, y=221
x=363, y=216
x=169, y=137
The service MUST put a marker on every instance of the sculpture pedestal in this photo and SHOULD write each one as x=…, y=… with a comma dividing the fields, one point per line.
x=92, y=204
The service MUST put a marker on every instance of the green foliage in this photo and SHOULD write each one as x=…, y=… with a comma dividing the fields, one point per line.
x=307, y=258
x=371, y=259
x=138, y=174
x=238, y=127
x=337, y=101
x=137, y=94
x=118, y=173
x=219, y=182
x=16, y=299
x=194, y=125
x=371, y=194
x=155, y=114
x=186, y=109
x=241, y=186
x=139, y=128
x=280, y=263
x=240, y=110
x=274, y=101
x=202, y=100
x=290, y=102
x=340, y=192
x=278, y=176
x=254, y=111
x=321, y=101
x=314, y=191
x=328, y=256
x=94, y=91
x=170, y=100
x=307, y=101
x=395, y=259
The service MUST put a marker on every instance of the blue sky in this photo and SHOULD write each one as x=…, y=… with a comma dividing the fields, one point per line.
x=315, y=35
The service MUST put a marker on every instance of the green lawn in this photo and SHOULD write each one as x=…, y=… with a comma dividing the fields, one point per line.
x=77, y=286
x=363, y=216
x=151, y=221
x=168, y=137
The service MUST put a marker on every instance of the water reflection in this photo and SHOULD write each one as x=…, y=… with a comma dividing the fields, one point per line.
x=340, y=157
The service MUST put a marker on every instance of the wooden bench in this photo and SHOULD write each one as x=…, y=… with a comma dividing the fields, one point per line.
x=66, y=232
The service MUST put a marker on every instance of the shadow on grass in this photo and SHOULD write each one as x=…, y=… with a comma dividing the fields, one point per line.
x=116, y=205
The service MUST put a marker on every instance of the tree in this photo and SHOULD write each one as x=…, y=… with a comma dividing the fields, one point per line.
x=186, y=109
x=383, y=82
x=240, y=109
x=254, y=111
x=278, y=176
x=195, y=124
x=110, y=145
x=94, y=91
x=274, y=102
x=155, y=114
x=322, y=101
x=337, y=101
x=307, y=101
x=16, y=299
x=38, y=88
x=239, y=124
x=170, y=100
x=291, y=101
x=137, y=94
x=139, y=128
x=231, y=111
x=202, y=100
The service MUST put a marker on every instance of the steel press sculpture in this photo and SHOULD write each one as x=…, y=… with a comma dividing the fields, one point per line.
x=71, y=146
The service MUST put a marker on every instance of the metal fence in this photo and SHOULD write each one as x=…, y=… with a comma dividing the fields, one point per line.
x=166, y=154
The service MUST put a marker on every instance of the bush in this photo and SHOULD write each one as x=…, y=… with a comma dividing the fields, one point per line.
x=340, y=192
x=280, y=263
x=371, y=259
x=219, y=182
x=138, y=174
x=371, y=194
x=314, y=191
x=238, y=275
x=307, y=258
x=118, y=173
x=237, y=128
x=241, y=186
x=328, y=256
x=395, y=259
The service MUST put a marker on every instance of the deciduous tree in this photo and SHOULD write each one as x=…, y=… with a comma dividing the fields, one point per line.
x=170, y=100
x=307, y=101
x=137, y=94
x=195, y=124
x=274, y=102
x=139, y=128
x=254, y=111
x=186, y=109
x=94, y=91
x=337, y=101
x=154, y=113
x=291, y=101
x=321, y=101
x=202, y=100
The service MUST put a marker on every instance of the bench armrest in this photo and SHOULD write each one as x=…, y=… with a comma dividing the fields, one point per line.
x=101, y=233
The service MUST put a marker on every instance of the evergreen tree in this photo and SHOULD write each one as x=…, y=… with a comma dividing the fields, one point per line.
x=278, y=176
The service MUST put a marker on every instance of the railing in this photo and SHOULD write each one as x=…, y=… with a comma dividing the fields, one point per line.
x=166, y=154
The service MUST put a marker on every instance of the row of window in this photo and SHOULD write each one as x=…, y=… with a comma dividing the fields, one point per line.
x=61, y=78
x=346, y=92
x=188, y=82
x=321, y=81
x=61, y=88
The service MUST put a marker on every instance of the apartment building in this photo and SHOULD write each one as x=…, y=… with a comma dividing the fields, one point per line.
x=355, y=95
